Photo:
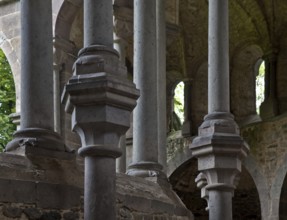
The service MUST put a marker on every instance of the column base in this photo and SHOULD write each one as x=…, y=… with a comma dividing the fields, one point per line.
x=26, y=140
x=145, y=169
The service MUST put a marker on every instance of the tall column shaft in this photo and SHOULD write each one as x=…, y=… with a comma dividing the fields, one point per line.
x=145, y=77
x=161, y=81
x=218, y=147
x=99, y=188
x=36, y=132
x=36, y=65
x=220, y=205
x=121, y=163
x=218, y=57
x=98, y=22
x=145, y=117
x=119, y=45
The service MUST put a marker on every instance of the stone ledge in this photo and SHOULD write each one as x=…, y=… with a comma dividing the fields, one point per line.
x=53, y=184
x=43, y=195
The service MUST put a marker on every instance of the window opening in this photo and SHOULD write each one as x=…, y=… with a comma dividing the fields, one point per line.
x=7, y=101
x=260, y=86
x=179, y=101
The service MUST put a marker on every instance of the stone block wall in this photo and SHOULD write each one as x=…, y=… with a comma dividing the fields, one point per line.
x=51, y=188
x=22, y=211
x=263, y=185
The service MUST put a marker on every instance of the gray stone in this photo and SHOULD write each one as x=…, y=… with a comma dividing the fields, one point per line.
x=218, y=147
x=100, y=99
x=57, y=196
x=12, y=212
x=145, y=117
x=53, y=215
x=32, y=213
x=71, y=216
x=125, y=213
x=17, y=191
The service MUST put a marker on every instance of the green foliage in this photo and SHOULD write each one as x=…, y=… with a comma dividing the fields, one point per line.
x=179, y=101
x=260, y=86
x=7, y=101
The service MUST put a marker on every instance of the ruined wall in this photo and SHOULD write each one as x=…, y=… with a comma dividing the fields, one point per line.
x=51, y=188
x=261, y=192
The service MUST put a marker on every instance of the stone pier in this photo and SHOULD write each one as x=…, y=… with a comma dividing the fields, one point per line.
x=100, y=98
x=36, y=134
x=145, y=117
x=218, y=147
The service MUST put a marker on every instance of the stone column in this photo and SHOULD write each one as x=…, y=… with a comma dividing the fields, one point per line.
x=218, y=147
x=145, y=128
x=161, y=81
x=121, y=163
x=186, y=126
x=119, y=45
x=37, y=108
x=100, y=98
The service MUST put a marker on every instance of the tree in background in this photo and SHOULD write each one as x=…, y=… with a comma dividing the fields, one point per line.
x=7, y=101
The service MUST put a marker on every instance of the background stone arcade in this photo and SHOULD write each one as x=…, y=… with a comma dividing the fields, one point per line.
x=43, y=177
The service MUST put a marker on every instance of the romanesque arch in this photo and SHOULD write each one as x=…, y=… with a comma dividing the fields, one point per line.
x=243, y=95
x=10, y=43
x=247, y=202
x=68, y=37
x=279, y=192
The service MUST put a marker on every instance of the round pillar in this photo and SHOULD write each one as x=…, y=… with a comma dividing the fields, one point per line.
x=98, y=23
x=161, y=82
x=218, y=57
x=100, y=99
x=219, y=147
x=37, y=101
x=145, y=117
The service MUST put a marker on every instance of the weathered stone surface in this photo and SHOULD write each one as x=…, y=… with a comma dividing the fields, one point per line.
x=71, y=216
x=53, y=215
x=12, y=212
x=32, y=213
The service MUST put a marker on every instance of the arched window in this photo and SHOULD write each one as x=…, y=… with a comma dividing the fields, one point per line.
x=260, y=84
x=7, y=101
x=178, y=106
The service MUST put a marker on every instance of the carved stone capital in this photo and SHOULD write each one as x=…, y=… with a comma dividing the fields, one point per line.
x=201, y=183
x=220, y=151
x=100, y=99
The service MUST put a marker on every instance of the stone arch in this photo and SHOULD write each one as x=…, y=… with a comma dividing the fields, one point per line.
x=183, y=183
x=261, y=184
x=243, y=95
x=248, y=202
x=278, y=192
x=180, y=157
x=66, y=14
x=13, y=59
